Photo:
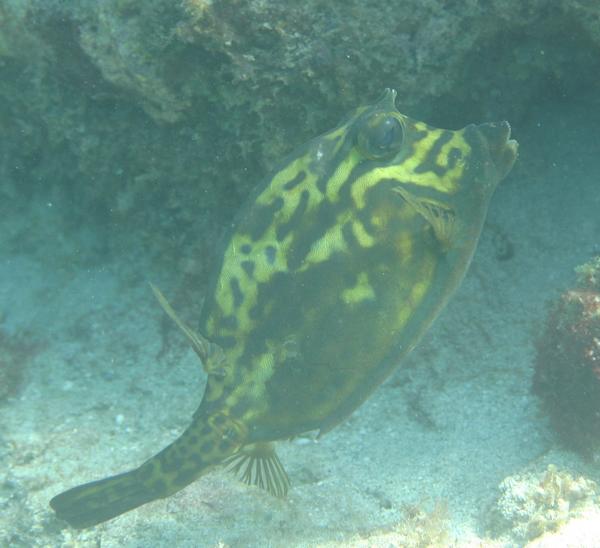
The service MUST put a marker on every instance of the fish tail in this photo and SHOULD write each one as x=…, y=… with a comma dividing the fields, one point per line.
x=98, y=501
x=204, y=444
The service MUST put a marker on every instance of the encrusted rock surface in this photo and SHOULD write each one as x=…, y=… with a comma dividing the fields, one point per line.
x=144, y=124
x=531, y=505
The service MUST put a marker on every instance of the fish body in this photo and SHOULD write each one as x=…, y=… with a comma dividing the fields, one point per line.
x=332, y=272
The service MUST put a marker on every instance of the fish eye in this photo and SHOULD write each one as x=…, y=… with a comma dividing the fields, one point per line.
x=380, y=136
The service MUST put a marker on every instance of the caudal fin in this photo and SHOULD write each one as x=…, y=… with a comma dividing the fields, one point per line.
x=206, y=442
x=98, y=501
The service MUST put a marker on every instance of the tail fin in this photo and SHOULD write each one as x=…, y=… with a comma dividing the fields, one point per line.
x=98, y=501
x=207, y=442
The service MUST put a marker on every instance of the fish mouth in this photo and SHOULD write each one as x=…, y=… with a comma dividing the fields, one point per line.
x=503, y=150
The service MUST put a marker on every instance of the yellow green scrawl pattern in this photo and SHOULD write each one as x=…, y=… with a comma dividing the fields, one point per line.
x=333, y=270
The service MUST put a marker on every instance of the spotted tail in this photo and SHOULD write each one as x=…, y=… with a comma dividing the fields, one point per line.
x=204, y=444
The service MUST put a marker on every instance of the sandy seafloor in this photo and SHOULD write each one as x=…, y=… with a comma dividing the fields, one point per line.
x=104, y=391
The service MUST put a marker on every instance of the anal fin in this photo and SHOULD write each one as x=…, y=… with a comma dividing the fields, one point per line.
x=259, y=465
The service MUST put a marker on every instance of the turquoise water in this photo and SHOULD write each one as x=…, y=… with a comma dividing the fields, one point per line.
x=114, y=174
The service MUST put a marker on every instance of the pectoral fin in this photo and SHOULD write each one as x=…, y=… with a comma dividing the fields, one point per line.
x=439, y=216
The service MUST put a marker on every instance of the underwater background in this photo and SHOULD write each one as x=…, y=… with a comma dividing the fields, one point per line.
x=131, y=133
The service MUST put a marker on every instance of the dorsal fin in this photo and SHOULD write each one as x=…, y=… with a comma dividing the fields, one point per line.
x=210, y=354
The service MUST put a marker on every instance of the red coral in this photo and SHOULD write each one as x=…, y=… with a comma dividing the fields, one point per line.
x=567, y=367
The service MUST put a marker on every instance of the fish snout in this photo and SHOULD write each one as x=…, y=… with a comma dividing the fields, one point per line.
x=502, y=149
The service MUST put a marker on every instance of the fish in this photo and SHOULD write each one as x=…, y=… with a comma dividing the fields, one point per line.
x=334, y=268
